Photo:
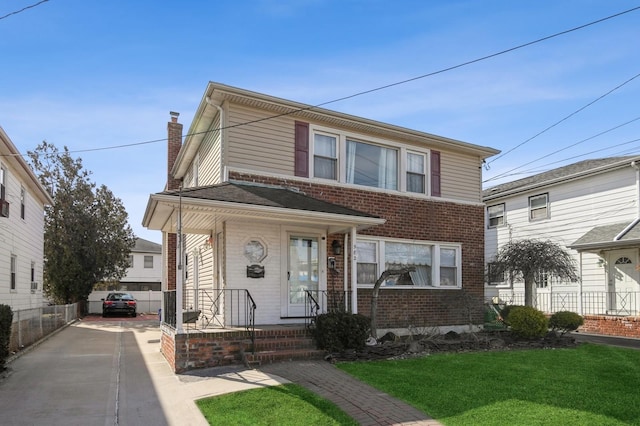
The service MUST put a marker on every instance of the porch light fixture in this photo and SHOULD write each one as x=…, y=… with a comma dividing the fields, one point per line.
x=336, y=247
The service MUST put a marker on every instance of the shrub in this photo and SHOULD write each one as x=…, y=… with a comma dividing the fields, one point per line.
x=337, y=331
x=528, y=322
x=565, y=321
x=6, y=316
x=504, y=313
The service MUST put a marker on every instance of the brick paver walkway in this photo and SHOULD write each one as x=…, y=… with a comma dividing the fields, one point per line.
x=367, y=405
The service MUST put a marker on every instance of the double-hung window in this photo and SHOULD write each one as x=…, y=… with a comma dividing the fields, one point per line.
x=495, y=215
x=325, y=158
x=22, y=201
x=148, y=261
x=3, y=174
x=13, y=271
x=539, y=207
x=372, y=165
x=435, y=264
x=416, y=172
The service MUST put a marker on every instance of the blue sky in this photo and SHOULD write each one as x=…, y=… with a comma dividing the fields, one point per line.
x=90, y=74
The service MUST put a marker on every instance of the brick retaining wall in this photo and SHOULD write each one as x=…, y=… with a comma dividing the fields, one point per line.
x=611, y=326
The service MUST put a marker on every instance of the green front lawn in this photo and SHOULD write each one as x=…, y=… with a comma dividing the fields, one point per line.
x=593, y=384
x=284, y=405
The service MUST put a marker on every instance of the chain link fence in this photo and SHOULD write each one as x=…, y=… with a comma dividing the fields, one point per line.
x=30, y=325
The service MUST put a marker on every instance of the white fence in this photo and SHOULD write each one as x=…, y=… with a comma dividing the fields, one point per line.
x=148, y=301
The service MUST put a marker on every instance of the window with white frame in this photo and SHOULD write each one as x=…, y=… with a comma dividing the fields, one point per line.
x=436, y=264
x=13, y=271
x=148, y=261
x=494, y=277
x=372, y=165
x=539, y=207
x=22, y=205
x=416, y=172
x=3, y=174
x=34, y=284
x=542, y=279
x=496, y=215
x=325, y=156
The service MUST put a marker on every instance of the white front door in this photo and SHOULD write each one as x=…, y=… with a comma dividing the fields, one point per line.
x=303, y=272
x=622, y=280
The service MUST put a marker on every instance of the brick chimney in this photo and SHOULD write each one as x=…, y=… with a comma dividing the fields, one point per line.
x=174, y=143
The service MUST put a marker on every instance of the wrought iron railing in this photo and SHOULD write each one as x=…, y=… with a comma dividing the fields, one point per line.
x=585, y=303
x=323, y=301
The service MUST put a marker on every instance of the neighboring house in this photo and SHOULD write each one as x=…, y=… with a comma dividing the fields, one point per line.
x=22, y=201
x=592, y=209
x=145, y=267
x=299, y=209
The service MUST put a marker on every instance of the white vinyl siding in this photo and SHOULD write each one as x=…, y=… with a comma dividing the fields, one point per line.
x=211, y=156
x=578, y=206
x=460, y=177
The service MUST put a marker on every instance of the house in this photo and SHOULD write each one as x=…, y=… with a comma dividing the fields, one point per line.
x=143, y=279
x=276, y=210
x=22, y=203
x=592, y=209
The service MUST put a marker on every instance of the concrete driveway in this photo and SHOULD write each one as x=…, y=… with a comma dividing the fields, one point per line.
x=110, y=372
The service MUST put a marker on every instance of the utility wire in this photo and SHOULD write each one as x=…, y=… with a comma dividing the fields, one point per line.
x=387, y=86
x=23, y=9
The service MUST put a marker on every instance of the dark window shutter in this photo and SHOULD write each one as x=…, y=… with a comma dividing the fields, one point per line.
x=435, y=173
x=302, y=149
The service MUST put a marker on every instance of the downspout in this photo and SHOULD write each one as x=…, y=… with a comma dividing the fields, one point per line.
x=637, y=219
x=179, y=268
x=354, y=272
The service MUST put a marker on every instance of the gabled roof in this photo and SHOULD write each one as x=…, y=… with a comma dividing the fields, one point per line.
x=561, y=174
x=233, y=200
x=146, y=246
x=617, y=235
x=10, y=155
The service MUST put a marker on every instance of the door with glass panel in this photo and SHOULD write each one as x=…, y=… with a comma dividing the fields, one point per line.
x=303, y=273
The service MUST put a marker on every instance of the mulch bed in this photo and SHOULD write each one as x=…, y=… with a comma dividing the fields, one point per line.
x=394, y=347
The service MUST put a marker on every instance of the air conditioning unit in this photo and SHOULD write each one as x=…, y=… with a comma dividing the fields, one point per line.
x=4, y=208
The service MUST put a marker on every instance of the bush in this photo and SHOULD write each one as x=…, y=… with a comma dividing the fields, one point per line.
x=504, y=313
x=6, y=316
x=337, y=331
x=528, y=322
x=565, y=321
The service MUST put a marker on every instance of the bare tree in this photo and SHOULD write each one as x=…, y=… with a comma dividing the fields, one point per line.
x=529, y=259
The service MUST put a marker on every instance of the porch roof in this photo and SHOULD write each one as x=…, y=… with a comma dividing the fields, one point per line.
x=617, y=235
x=202, y=207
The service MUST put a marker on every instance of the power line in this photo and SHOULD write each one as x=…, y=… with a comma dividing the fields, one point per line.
x=443, y=70
x=23, y=9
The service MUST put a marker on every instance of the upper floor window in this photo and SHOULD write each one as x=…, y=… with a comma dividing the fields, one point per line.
x=325, y=158
x=22, y=205
x=416, y=172
x=495, y=215
x=494, y=277
x=539, y=207
x=3, y=174
x=13, y=271
x=372, y=165
x=436, y=265
x=148, y=261
x=130, y=261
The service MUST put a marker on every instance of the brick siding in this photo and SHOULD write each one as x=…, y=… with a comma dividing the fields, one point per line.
x=612, y=326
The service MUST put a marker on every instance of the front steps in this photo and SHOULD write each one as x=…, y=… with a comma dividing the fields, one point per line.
x=280, y=345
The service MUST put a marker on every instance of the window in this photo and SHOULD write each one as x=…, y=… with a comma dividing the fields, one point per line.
x=325, y=158
x=493, y=277
x=367, y=257
x=372, y=165
x=22, y=196
x=539, y=207
x=34, y=284
x=436, y=265
x=148, y=261
x=3, y=174
x=542, y=279
x=130, y=261
x=496, y=215
x=14, y=261
x=416, y=172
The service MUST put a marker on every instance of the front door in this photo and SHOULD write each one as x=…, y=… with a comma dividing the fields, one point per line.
x=622, y=280
x=303, y=273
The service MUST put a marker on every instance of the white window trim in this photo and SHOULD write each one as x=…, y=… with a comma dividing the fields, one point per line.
x=435, y=267
x=341, y=152
x=546, y=195
x=504, y=216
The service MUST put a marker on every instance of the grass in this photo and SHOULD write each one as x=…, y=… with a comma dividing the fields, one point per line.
x=592, y=384
x=284, y=405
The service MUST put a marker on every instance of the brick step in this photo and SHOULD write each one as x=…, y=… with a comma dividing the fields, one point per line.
x=277, y=344
x=270, y=357
x=283, y=333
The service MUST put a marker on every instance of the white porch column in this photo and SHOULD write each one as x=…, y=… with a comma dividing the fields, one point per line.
x=354, y=272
